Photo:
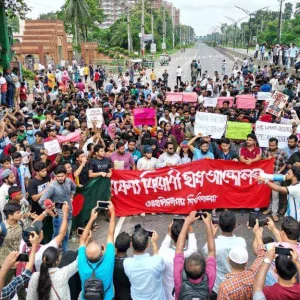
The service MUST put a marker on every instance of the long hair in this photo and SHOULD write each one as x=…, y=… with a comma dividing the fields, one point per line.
x=50, y=256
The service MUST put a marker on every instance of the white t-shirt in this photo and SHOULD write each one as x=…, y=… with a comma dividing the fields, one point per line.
x=179, y=72
x=293, y=207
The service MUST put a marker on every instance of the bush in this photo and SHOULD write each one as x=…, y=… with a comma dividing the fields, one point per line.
x=126, y=52
x=106, y=52
x=122, y=50
x=28, y=73
x=117, y=56
x=101, y=50
x=111, y=55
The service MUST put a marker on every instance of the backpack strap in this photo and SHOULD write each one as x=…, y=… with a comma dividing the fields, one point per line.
x=3, y=229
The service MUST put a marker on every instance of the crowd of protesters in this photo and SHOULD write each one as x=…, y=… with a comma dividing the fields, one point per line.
x=33, y=182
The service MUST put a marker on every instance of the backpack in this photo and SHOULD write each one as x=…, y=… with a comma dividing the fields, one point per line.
x=2, y=233
x=195, y=291
x=93, y=287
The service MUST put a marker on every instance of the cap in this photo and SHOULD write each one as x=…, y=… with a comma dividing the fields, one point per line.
x=239, y=255
x=148, y=149
x=24, y=109
x=5, y=173
x=35, y=227
x=184, y=144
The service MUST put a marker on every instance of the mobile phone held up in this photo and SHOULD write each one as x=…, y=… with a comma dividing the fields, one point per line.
x=23, y=257
x=252, y=220
x=102, y=205
x=283, y=251
x=59, y=205
x=201, y=215
x=80, y=231
x=150, y=232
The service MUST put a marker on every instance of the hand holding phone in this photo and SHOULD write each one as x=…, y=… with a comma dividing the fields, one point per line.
x=102, y=205
x=283, y=251
x=23, y=257
x=150, y=232
x=80, y=231
x=201, y=215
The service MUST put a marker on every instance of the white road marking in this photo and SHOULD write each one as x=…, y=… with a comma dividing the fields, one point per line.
x=119, y=226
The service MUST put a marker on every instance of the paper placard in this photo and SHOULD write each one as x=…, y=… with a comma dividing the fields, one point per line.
x=210, y=102
x=238, y=130
x=94, y=115
x=52, y=147
x=263, y=96
x=213, y=124
x=277, y=103
x=245, y=101
x=264, y=131
x=144, y=116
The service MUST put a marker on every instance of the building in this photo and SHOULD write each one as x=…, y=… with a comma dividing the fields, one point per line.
x=176, y=16
x=42, y=41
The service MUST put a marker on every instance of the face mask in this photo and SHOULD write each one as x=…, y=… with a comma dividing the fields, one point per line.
x=29, y=132
x=177, y=122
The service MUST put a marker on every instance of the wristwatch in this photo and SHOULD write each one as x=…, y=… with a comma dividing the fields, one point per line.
x=267, y=261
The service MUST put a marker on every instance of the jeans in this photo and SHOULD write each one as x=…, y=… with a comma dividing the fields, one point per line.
x=56, y=227
x=10, y=97
x=178, y=79
x=3, y=98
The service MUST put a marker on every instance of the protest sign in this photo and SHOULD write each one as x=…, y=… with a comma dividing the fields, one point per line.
x=144, y=116
x=210, y=102
x=52, y=147
x=245, y=101
x=190, y=97
x=182, y=97
x=277, y=103
x=191, y=186
x=238, y=130
x=174, y=97
x=264, y=131
x=263, y=96
x=94, y=116
x=222, y=99
x=213, y=124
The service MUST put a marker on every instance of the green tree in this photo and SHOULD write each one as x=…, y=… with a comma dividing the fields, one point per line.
x=297, y=9
x=49, y=16
x=15, y=7
x=288, y=11
x=77, y=11
x=14, y=24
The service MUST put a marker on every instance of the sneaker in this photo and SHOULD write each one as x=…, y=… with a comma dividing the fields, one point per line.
x=267, y=212
x=275, y=218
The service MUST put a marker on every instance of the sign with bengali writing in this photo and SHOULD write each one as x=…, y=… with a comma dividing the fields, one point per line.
x=144, y=116
x=263, y=96
x=52, y=147
x=210, y=102
x=245, y=101
x=94, y=117
x=204, y=184
x=213, y=124
x=264, y=131
x=238, y=130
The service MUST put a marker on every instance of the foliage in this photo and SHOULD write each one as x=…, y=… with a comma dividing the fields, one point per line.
x=14, y=23
x=49, y=16
x=288, y=11
x=15, y=7
x=27, y=73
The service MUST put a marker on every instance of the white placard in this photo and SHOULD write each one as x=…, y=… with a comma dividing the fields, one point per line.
x=210, y=102
x=52, y=147
x=94, y=115
x=263, y=96
x=264, y=131
x=213, y=124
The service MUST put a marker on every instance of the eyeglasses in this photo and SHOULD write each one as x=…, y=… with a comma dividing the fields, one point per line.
x=171, y=148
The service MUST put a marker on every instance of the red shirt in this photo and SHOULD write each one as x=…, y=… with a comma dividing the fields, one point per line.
x=96, y=76
x=279, y=292
x=246, y=153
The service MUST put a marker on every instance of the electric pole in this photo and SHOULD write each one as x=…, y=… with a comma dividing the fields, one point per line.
x=143, y=29
x=280, y=22
x=164, y=24
x=235, y=22
x=128, y=29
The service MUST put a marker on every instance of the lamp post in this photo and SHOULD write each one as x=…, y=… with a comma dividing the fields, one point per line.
x=235, y=22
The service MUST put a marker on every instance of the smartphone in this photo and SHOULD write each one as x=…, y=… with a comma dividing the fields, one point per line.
x=178, y=219
x=200, y=214
x=150, y=232
x=59, y=205
x=23, y=257
x=137, y=226
x=80, y=231
x=102, y=204
x=283, y=251
x=252, y=219
x=215, y=221
x=263, y=223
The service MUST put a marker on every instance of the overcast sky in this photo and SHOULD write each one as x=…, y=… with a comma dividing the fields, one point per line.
x=203, y=16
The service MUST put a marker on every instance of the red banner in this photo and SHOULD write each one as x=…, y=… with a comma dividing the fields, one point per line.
x=204, y=184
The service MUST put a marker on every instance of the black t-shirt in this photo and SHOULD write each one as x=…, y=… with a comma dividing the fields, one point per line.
x=97, y=165
x=84, y=175
x=35, y=186
x=36, y=150
x=121, y=281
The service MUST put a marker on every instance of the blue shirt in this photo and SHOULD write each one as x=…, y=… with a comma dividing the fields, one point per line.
x=266, y=88
x=198, y=155
x=136, y=155
x=145, y=274
x=104, y=271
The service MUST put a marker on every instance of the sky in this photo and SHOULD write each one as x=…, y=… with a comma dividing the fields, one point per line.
x=203, y=16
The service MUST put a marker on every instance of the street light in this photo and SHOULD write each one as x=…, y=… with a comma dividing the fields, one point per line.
x=235, y=22
x=250, y=14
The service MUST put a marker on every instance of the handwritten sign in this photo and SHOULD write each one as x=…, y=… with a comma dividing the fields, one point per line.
x=238, y=130
x=144, y=116
x=52, y=147
x=263, y=96
x=245, y=101
x=213, y=124
x=222, y=99
x=174, y=97
x=184, y=97
x=264, y=131
x=94, y=116
x=277, y=103
x=210, y=102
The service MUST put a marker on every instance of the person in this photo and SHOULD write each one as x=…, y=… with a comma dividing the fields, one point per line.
x=223, y=66
x=251, y=153
x=238, y=283
x=9, y=290
x=147, y=162
x=169, y=157
x=8, y=179
x=225, y=153
x=287, y=268
x=280, y=160
x=165, y=76
x=292, y=145
x=99, y=165
x=223, y=244
x=60, y=190
x=121, y=159
x=167, y=252
x=80, y=168
x=178, y=76
x=194, y=275
x=294, y=159
x=136, y=154
x=50, y=282
x=93, y=258
x=145, y=272
x=153, y=77
x=293, y=191
x=121, y=281
x=203, y=151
